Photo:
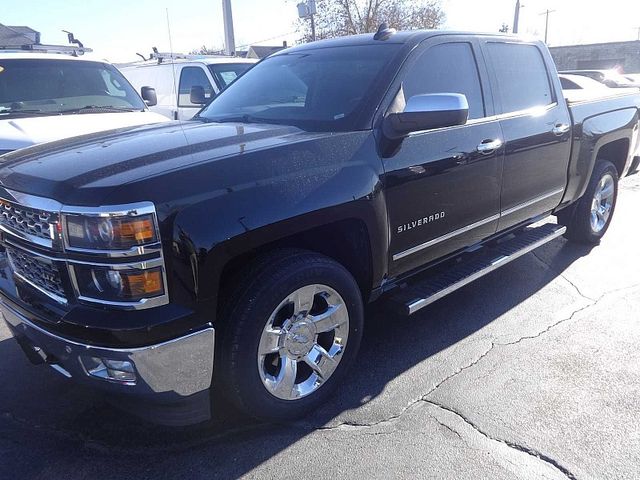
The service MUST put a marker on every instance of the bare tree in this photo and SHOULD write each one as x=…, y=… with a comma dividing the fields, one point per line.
x=337, y=18
x=204, y=50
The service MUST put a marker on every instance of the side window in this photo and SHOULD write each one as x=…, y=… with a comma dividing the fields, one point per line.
x=190, y=77
x=521, y=75
x=447, y=68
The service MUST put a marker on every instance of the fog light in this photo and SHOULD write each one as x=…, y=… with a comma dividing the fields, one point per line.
x=121, y=371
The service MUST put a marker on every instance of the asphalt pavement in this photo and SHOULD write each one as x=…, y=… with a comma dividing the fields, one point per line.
x=531, y=372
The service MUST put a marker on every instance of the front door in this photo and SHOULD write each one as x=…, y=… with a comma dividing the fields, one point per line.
x=443, y=186
x=192, y=76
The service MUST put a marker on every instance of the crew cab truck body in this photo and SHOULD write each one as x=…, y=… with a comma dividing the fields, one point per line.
x=326, y=176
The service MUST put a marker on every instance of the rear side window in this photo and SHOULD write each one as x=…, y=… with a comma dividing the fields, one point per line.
x=521, y=76
x=191, y=77
x=447, y=68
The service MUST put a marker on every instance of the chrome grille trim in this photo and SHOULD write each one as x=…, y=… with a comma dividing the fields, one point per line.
x=40, y=272
x=28, y=223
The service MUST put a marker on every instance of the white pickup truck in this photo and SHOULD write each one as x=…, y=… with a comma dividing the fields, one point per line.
x=47, y=96
x=184, y=83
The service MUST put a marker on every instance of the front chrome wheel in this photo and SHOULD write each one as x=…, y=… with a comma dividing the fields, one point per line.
x=602, y=203
x=303, y=341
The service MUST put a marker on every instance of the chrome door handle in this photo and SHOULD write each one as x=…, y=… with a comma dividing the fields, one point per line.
x=561, y=129
x=489, y=146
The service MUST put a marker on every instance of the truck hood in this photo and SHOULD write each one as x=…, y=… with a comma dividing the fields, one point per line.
x=90, y=169
x=18, y=133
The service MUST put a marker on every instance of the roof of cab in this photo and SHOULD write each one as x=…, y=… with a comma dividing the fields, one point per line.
x=401, y=37
x=46, y=56
x=207, y=60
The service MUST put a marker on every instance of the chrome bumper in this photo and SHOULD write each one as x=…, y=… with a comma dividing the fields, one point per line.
x=170, y=370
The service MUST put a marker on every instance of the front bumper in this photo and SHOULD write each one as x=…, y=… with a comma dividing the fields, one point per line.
x=167, y=373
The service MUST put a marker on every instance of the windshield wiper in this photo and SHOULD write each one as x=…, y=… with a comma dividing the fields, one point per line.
x=24, y=111
x=246, y=118
x=97, y=107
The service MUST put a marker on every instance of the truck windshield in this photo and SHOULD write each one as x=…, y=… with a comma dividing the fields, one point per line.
x=225, y=73
x=49, y=87
x=316, y=90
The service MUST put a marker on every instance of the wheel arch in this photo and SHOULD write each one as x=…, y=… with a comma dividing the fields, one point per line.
x=617, y=152
x=346, y=241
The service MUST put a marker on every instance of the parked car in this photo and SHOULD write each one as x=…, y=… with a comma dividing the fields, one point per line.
x=185, y=83
x=47, y=96
x=579, y=82
x=398, y=166
x=610, y=78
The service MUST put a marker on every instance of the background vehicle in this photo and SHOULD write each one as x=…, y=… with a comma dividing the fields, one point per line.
x=610, y=78
x=400, y=164
x=184, y=83
x=579, y=82
x=46, y=96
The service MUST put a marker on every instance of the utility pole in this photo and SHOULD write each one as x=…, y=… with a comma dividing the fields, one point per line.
x=638, y=29
x=313, y=28
x=516, y=17
x=307, y=9
x=229, y=37
x=546, y=23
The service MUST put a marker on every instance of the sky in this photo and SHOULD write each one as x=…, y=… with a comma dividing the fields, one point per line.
x=117, y=29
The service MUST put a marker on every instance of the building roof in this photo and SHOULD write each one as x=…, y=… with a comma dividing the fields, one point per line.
x=17, y=36
x=261, y=51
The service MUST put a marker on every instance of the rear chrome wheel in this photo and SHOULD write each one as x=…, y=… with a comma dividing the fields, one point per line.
x=589, y=218
x=303, y=341
x=602, y=203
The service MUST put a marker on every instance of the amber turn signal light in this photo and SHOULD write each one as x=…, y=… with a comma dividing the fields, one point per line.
x=142, y=284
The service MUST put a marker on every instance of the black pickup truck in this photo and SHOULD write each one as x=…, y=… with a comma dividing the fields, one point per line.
x=400, y=165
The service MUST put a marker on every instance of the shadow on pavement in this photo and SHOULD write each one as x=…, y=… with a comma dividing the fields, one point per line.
x=49, y=426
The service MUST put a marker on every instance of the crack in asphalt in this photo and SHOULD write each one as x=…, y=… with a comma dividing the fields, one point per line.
x=521, y=448
x=563, y=276
x=452, y=430
x=423, y=399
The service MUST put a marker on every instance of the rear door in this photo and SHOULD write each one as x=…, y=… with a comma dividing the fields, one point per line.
x=442, y=192
x=536, y=126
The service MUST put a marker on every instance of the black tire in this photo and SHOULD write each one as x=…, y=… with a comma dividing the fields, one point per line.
x=578, y=219
x=257, y=294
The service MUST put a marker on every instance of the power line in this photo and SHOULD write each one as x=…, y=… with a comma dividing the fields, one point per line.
x=266, y=40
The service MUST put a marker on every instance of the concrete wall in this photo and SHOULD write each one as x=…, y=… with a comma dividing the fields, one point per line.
x=625, y=55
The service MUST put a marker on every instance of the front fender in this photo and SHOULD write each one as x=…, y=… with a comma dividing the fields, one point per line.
x=272, y=194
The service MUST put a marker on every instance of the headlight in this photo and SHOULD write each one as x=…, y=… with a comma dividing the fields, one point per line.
x=118, y=285
x=110, y=232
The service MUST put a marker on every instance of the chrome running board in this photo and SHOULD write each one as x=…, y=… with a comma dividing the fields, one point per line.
x=418, y=295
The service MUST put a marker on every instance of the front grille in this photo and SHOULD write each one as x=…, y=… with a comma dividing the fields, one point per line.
x=40, y=271
x=37, y=223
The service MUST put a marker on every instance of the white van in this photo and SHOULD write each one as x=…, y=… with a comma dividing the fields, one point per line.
x=184, y=83
x=51, y=96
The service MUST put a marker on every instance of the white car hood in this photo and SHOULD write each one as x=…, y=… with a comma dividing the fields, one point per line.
x=23, y=132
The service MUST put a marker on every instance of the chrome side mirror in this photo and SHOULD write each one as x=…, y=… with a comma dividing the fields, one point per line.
x=427, y=112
